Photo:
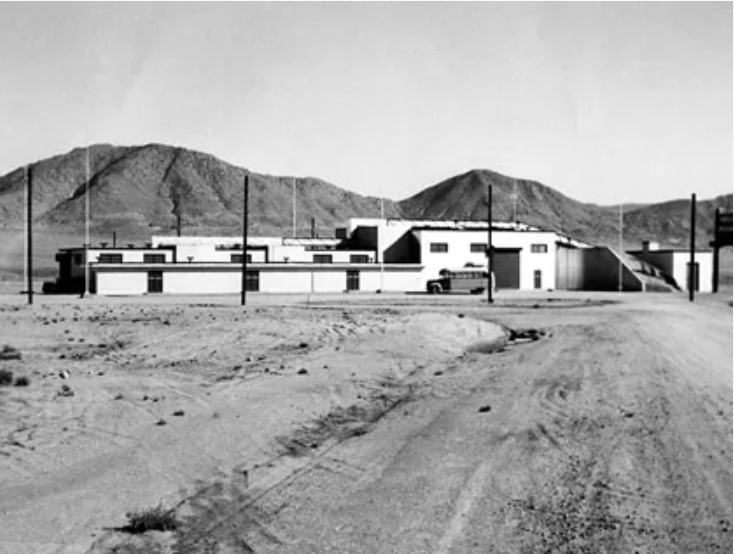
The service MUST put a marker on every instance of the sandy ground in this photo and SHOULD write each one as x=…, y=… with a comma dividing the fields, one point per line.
x=369, y=424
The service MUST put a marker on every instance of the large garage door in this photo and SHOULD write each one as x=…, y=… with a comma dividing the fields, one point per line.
x=506, y=266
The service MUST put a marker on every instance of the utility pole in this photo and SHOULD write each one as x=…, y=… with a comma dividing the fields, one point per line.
x=86, y=228
x=29, y=229
x=294, y=207
x=620, y=276
x=380, y=253
x=715, y=244
x=243, y=299
x=692, y=265
x=490, y=299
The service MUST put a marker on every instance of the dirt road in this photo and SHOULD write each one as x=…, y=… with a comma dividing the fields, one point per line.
x=611, y=433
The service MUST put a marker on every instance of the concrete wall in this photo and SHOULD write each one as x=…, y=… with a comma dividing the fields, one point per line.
x=594, y=269
x=675, y=264
x=121, y=283
x=274, y=278
x=705, y=261
x=460, y=253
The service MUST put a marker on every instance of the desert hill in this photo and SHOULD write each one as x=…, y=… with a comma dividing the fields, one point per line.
x=141, y=190
x=145, y=188
x=465, y=197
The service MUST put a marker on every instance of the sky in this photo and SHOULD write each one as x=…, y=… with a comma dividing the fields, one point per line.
x=605, y=102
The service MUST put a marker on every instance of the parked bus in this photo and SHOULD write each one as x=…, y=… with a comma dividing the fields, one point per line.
x=473, y=280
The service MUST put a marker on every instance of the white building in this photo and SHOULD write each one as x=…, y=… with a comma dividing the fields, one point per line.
x=367, y=255
x=676, y=263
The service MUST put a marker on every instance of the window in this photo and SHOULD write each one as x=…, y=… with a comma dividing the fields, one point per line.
x=539, y=248
x=237, y=258
x=439, y=247
x=252, y=281
x=322, y=258
x=154, y=258
x=110, y=258
x=538, y=278
x=479, y=247
x=78, y=259
x=352, y=280
x=358, y=259
x=155, y=281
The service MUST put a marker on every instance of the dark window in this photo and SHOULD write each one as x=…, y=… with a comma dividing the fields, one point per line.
x=352, y=280
x=110, y=258
x=78, y=259
x=155, y=281
x=358, y=259
x=237, y=258
x=539, y=248
x=479, y=247
x=538, y=277
x=439, y=247
x=252, y=281
x=154, y=258
x=322, y=258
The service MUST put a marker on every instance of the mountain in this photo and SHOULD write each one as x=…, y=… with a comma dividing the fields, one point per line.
x=465, y=197
x=139, y=191
x=145, y=188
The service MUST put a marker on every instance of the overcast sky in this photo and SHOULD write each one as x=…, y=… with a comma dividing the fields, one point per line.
x=608, y=103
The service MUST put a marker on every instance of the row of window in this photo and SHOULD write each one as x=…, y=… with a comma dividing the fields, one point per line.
x=117, y=259
x=353, y=259
x=481, y=247
x=252, y=281
x=234, y=258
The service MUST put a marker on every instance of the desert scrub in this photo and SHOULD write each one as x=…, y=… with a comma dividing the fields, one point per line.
x=22, y=381
x=6, y=377
x=152, y=519
x=8, y=352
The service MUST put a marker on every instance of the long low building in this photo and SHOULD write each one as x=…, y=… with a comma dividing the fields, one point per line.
x=368, y=255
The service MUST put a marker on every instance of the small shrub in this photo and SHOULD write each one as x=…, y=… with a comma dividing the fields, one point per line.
x=6, y=377
x=9, y=353
x=178, y=413
x=22, y=381
x=161, y=422
x=152, y=519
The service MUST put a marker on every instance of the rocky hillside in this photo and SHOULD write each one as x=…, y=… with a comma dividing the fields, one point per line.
x=132, y=189
x=142, y=190
x=465, y=197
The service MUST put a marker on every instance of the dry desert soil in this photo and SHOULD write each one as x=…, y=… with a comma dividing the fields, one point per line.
x=398, y=424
